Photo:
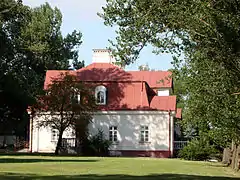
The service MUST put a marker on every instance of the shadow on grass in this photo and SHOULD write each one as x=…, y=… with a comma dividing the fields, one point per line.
x=218, y=165
x=12, y=176
x=28, y=160
x=36, y=154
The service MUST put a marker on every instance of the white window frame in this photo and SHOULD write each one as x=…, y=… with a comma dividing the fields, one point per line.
x=98, y=90
x=144, y=134
x=163, y=92
x=113, y=134
x=54, y=134
x=77, y=97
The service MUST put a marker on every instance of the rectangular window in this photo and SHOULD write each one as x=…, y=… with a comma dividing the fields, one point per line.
x=113, y=134
x=76, y=98
x=54, y=135
x=163, y=92
x=144, y=134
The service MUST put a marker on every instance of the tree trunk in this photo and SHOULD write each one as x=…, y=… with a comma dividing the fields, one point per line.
x=236, y=166
x=4, y=141
x=237, y=158
x=226, y=156
x=234, y=153
x=59, y=143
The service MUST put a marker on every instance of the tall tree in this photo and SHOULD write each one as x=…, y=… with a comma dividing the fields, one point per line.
x=207, y=33
x=179, y=85
x=44, y=44
x=14, y=73
x=67, y=103
x=175, y=25
x=30, y=43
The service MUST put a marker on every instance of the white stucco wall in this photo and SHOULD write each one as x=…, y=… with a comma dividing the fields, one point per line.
x=128, y=124
x=42, y=141
x=102, y=56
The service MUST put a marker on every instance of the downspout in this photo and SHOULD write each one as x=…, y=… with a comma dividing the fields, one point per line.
x=173, y=131
x=31, y=146
x=169, y=131
x=142, y=95
x=38, y=139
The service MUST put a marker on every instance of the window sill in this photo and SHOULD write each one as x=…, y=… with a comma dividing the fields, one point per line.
x=101, y=104
x=114, y=143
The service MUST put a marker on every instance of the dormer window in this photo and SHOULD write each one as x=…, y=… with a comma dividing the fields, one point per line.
x=163, y=92
x=101, y=95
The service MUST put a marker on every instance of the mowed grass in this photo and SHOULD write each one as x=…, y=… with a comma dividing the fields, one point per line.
x=64, y=168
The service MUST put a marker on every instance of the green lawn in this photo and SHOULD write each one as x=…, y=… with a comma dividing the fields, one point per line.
x=64, y=168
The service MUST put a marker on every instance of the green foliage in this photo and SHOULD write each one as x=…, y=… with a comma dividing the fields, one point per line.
x=66, y=101
x=14, y=74
x=78, y=64
x=207, y=34
x=179, y=86
x=211, y=107
x=44, y=43
x=197, y=150
x=96, y=145
x=31, y=43
x=173, y=26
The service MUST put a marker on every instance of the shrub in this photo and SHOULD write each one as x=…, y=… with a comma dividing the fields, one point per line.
x=96, y=145
x=197, y=150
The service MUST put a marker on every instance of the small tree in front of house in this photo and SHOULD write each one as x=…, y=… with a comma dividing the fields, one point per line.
x=66, y=102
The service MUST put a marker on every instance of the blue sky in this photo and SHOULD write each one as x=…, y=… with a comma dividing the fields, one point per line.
x=82, y=15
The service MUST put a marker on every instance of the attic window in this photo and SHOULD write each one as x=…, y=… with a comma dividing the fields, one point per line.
x=101, y=95
x=76, y=96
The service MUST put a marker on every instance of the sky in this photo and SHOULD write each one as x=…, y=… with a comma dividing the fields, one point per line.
x=82, y=16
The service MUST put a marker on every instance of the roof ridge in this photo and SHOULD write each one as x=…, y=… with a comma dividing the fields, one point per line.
x=150, y=71
x=58, y=70
x=92, y=64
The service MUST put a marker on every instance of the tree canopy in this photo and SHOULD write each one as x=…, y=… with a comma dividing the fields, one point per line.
x=175, y=26
x=31, y=42
x=67, y=103
x=206, y=33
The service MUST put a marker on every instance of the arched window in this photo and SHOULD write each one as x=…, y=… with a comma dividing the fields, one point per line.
x=101, y=95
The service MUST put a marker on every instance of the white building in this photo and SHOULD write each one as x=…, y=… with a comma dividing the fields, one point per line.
x=136, y=110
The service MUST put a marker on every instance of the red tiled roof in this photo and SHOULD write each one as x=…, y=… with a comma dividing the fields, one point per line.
x=54, y=74
x=179, y=113
x=154, y=79
x=100, y=66
x=133, y=96
x=110, y=72
x=127, y=90
x=125, y=96
x=103, y=72
x=167, y=103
